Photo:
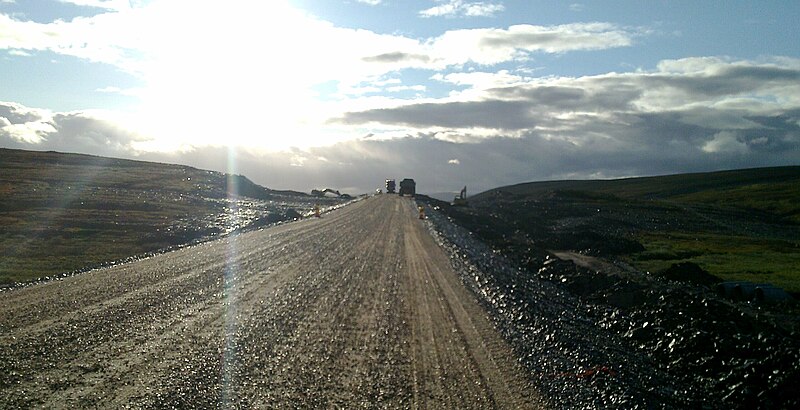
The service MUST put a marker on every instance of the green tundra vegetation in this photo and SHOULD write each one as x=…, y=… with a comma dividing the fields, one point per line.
x=737, y=225
x=746, y=249
x=729, y=257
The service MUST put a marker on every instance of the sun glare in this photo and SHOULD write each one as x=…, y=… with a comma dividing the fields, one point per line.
x=229, y=75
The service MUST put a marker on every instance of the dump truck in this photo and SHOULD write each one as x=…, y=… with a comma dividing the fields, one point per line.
x=389, y=186
x=408, y=187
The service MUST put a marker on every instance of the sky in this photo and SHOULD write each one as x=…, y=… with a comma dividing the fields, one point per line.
x=302, y=94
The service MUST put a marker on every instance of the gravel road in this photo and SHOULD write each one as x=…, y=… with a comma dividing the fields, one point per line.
x=357, y=309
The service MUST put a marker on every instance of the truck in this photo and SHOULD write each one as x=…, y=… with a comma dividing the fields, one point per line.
x=390, y=186
x=408, y=187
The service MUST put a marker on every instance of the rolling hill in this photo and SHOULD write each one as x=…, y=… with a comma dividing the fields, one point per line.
x=775, y=190
x=737, y=225
x=63, y=212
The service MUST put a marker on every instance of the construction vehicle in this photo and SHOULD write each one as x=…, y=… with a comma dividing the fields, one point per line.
x=408, y=187
x=390, y=186
x=461, y=199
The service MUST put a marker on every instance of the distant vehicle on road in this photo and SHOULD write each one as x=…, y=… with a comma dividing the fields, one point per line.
x=390, y=186
x=408, y=187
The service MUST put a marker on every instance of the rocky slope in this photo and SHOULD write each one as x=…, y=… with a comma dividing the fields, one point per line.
x=594, y=331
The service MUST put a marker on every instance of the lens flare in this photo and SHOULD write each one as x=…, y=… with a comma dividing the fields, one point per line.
x=229, y=358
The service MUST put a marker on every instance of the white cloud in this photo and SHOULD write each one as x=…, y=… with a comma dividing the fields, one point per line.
x=370, y=2
x=105, y=38
x=494, y=46
x=460, y=8
x=28, y=133
x=725, y=142
x=482, y=9
x=237, y=67
x=400, y=88
x=577, y=7
x=94, y=132
x=121, y=91
x=478, y=82
x=19, y=53
x=756, y=86
x=102, y=4
x=733, y=108
x=250, y=83
x=22, y=124
x=19, y=114
x=246, y=45
x=487, y=47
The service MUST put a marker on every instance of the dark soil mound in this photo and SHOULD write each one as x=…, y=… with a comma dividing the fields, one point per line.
x=691, y=273
x=667, y=340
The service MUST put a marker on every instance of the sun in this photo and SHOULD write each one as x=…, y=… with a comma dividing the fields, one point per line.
x=229, y=74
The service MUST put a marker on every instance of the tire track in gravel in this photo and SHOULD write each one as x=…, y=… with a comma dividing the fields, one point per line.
x=473, y=367
x=357, y=309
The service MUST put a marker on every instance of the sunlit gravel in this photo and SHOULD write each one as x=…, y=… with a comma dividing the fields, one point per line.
x=681, y=348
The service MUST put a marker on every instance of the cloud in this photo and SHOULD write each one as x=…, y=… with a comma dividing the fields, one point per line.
x=208, y=88
x=577, y=7
x=249, y=49
x=121, y=91
x=558, y=39
x=459, y=8
x=492, y=46
x=399, y=88
x=682, y=116
x=20, y=124
x=625, y=144
x=92, y=134
x=395, y=57
x=493, y=114
x=101, y=4
x=31, y=128
x=725, y=94
x=501, y=130
x=19, y=114
x=501, y=161
x=725, y=141
x=32, y=133
x=370, y=2
x=104, y=38
x=245, y=80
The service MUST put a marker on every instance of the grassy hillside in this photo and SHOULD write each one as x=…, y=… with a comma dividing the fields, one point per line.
x=775, y=190
x=738, y=225
x=63, y=212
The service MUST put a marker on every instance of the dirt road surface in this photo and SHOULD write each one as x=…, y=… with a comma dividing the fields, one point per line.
x=357, y=309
